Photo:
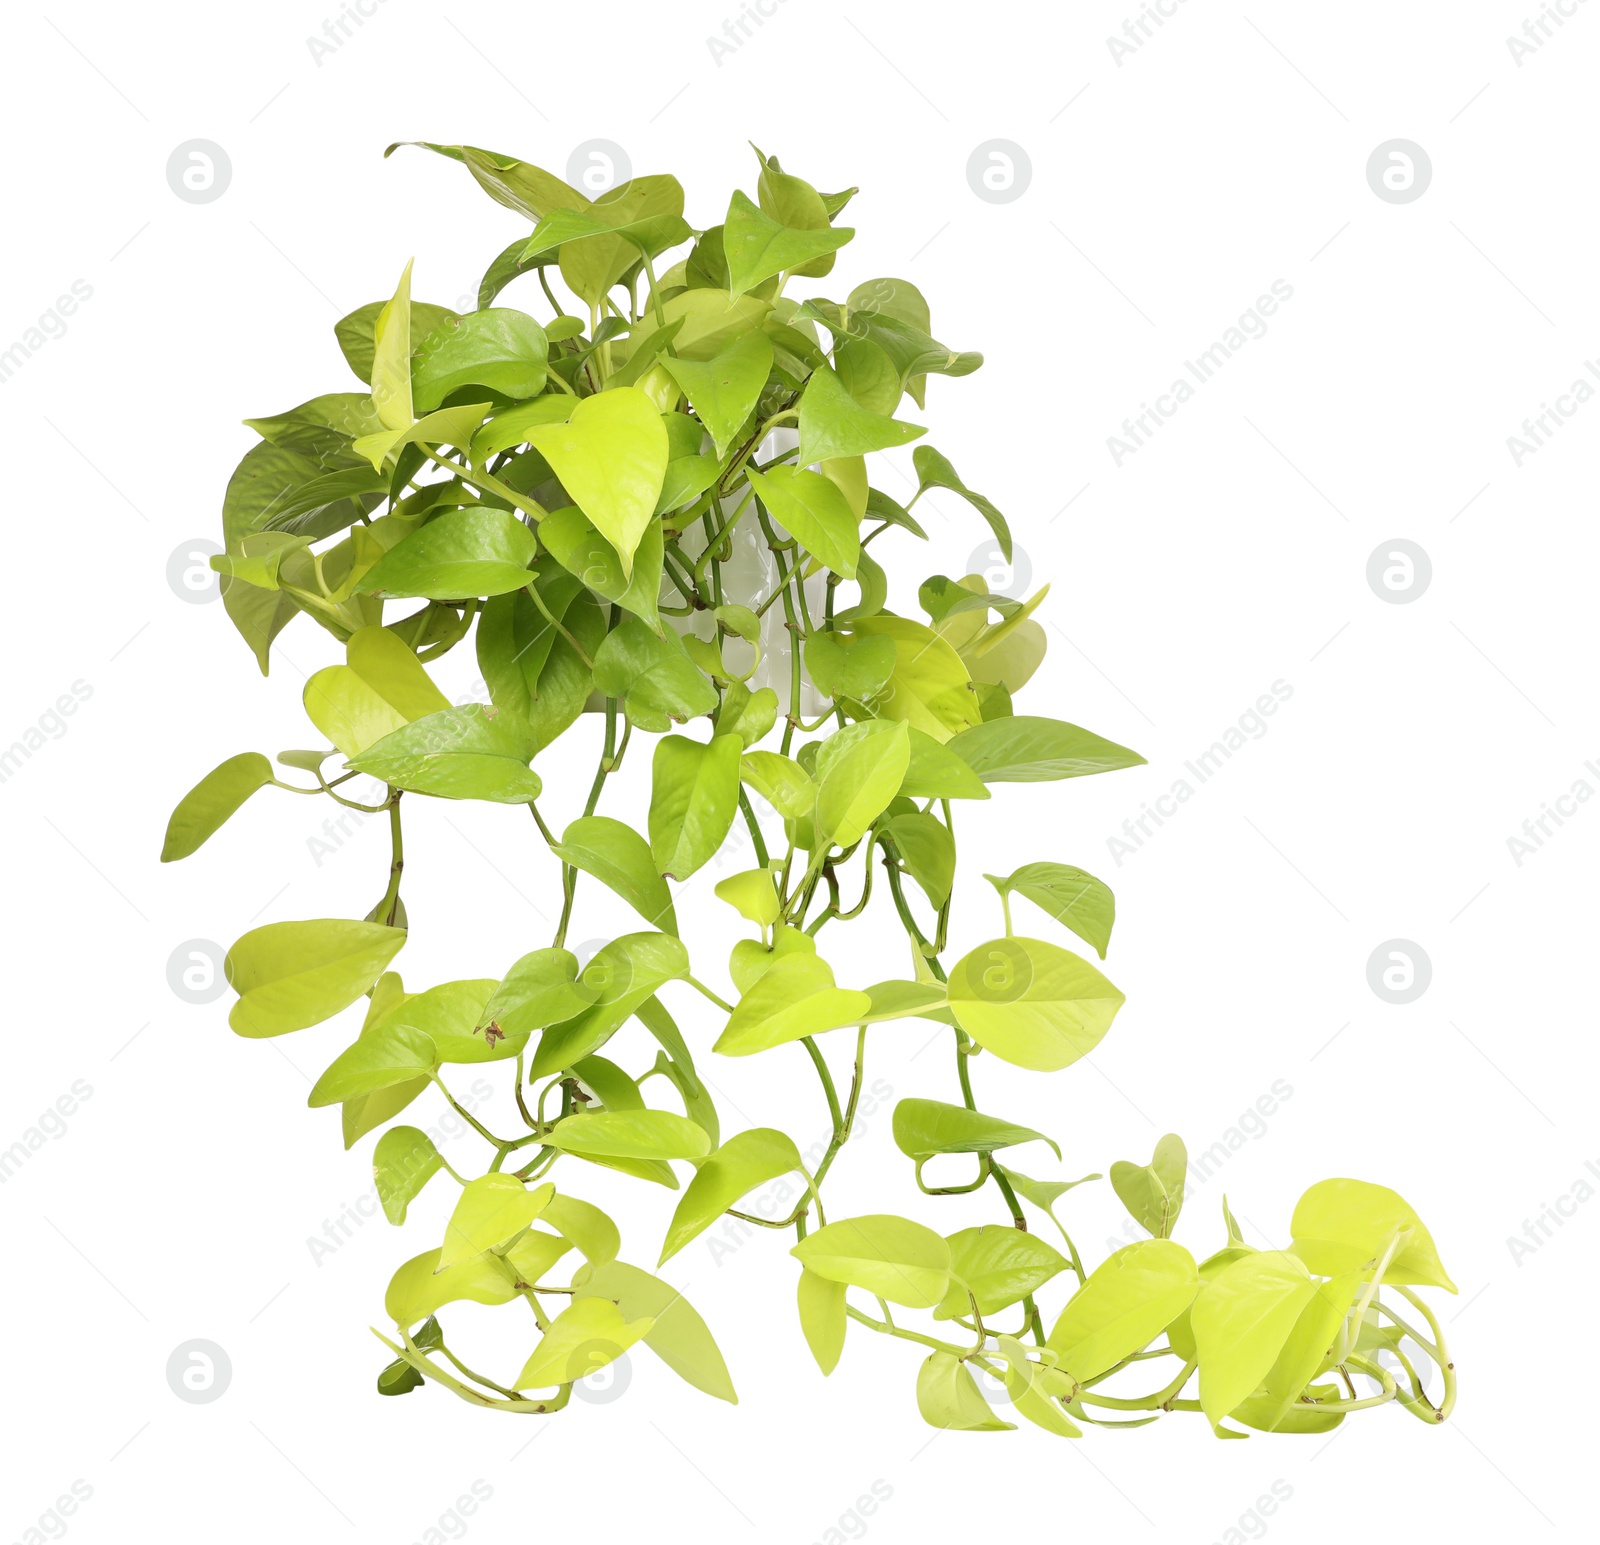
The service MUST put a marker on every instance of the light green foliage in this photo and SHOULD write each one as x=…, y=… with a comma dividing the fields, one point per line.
x=577, y=492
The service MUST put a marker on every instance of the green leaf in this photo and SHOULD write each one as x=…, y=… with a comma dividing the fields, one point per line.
x=936, y=772
x=934, y=471
x=1071, y=896
x=492, y=1210
x=532, y=1254
x=531, y=669
x=687, y=477
x=381, y=689
x=751, y=960
x=592, y=265
x=1342, y=1224
x=677, y=1065
x=625, y=974
x=630, y=1134
x=322, y=429
x=948, y=1397
x=811, y=508
x=752, y=894
x=581, y=1339
x=291, y=975
x=654, y=676
x=472, y=752
x=929, y=687
x=1304, y=1353
x=999, y=1266
x=472, y=552
x=868, y=374
x=909, y=348
x=895, y=1258
x=745, y=1161
x=497, y=348
x=421, y=1287
x=207, y=806
x=1153, y=1192
x=586, y=1226
x=511, y=427
x=859, y=770
x=399, y=1378
x=795, y=997
x=445, y=426
x=580, y=549
x=1032, y=1003
x=898, y=300
x=542, y=988
x=356, y=332
x=711, y=320
x=1127, y=1302
x=391, y=361
x=923, y=1128
x=1023, y=749
x=454, y=1016
x=822, y=1318
x=1042, y=1193
x=833, y=423
x=928, y=851
x=901, y=1000
x=723, y=390
x=781, y=781
x=611, y=457
x=793, y=202
x=611, y=1086
x=518, y=185
x=694, y=796
x=404, y=1161
x=392, y=1054
x=757, y=246
x=677, y=1334
x=365, y=1112
x=1034, y=1389
x=619, y=858
x=646, y=233
x=1241, y=1321
x=843, y=665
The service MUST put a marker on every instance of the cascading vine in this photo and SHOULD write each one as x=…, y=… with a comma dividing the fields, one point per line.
x=647, y=506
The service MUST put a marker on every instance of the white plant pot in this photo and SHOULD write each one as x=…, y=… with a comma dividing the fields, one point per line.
x=750, y=573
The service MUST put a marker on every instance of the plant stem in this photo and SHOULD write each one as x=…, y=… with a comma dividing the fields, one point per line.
x=389, y=907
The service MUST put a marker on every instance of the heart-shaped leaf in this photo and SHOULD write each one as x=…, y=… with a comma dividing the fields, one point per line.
x=472, y=752
x=471, y=552
x=611, y=457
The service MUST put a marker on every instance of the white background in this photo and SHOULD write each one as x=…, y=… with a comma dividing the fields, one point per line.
x=1167, y=193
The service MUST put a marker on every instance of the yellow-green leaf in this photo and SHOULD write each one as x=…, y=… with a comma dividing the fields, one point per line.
x=291, y=975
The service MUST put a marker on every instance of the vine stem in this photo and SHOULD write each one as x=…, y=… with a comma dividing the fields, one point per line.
x=389, y=907
x=486, y=482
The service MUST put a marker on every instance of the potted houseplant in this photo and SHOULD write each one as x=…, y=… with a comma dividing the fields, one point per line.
x=652, y=511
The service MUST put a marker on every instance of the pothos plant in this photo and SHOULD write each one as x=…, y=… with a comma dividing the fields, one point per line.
x=650, y=504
